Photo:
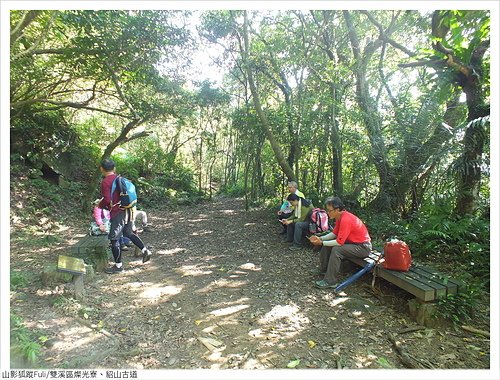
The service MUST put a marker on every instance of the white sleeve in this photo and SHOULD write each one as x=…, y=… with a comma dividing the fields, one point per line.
x=329, y=236
x=331, y=243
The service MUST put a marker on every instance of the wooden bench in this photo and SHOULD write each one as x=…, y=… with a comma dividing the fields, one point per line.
x=76, y=267
x=93, y=250
x=425, y=283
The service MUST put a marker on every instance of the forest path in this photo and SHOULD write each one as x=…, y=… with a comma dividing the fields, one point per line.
x=223, y=291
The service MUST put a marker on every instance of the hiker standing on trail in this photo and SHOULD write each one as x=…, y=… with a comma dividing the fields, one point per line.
x=298, y=223
x=349, y=238
x=121, y=219
x=286, y=209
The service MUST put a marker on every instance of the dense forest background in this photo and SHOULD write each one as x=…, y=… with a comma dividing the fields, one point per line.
x=387, y=109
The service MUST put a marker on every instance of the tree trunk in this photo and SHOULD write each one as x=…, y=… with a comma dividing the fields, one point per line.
x=371, y=118
x=258, y=107
x=473, y=142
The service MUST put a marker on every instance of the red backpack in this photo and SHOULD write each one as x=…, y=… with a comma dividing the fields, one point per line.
x=397, y=256
x=319, y=221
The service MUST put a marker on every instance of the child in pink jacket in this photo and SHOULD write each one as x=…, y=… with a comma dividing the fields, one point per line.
x=101, y=218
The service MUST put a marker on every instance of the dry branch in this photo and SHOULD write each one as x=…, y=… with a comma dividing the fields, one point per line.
x=476, y=331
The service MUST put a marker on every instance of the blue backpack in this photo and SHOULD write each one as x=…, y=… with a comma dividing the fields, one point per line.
x=126, y=189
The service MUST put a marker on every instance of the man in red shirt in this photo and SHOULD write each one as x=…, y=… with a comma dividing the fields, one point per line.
x=121, y=219
x=349, y=238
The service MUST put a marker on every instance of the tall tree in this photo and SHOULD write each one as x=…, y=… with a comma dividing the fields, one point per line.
x=460, y=40
x=258, y=107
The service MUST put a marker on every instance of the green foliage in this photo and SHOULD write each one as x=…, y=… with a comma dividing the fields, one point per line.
x=17, y=279
x=233, y=190
x=127, y=165
x=461, y=307
x=23, y=343
x=435, y=235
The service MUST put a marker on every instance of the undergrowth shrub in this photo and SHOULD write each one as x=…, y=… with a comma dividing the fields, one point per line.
x=24, y=346
x=461, y=307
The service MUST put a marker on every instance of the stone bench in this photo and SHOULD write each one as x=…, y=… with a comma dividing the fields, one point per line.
x=94, y=250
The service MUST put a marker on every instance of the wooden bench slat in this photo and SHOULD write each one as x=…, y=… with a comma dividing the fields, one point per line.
x=406, y=282
x=438, y=283
x=451, y=281
x=422, y=281
x=439, y=289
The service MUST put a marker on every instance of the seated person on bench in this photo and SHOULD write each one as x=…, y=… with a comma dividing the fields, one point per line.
x=297, y=224
x=349, y=238
x=286, y=209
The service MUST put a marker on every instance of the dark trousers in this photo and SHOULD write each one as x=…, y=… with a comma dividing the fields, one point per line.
x=330, y=258
x=121, y=225
x=295, y=232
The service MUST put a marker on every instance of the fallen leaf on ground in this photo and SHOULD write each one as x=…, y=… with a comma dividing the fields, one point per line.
x=210, y=343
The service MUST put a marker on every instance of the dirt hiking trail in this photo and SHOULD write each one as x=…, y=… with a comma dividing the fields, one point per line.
x=224, y=291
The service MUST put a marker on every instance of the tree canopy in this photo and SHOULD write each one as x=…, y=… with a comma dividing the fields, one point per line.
x=374, y=106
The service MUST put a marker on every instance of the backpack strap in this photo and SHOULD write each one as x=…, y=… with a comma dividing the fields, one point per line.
x=113, y=189
x=375, y=268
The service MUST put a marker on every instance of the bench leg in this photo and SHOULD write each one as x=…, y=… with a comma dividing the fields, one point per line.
x=425, y=313
x=78, y=286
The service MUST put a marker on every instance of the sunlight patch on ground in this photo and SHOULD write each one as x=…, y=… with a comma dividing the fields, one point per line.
x=228, y=303
x=222, y=283
x=249, y=224
x=229, y=310
x=157, y=292
x=282, y=321
x=278, y=312
x=76, y=335
x=228, y=212
x=193, y=270
x=172, y=251
x=250, y=266
x=201, y=218
x=338, y=301
x=364, y=361
x=201, y=233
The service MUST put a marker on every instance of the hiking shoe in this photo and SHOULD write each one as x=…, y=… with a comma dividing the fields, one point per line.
x=146, y=256
x=295, y=248
x=114, y=269
x=124, y=247
x=322, y=284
